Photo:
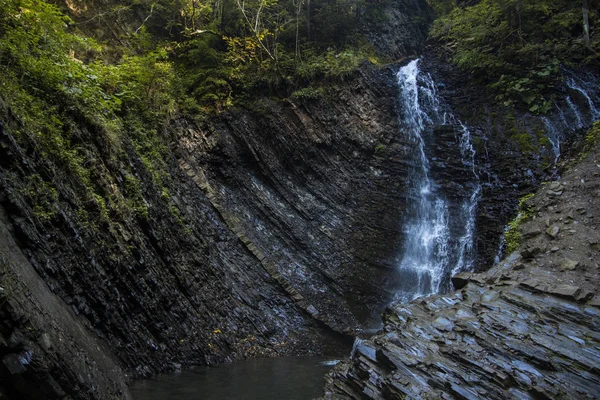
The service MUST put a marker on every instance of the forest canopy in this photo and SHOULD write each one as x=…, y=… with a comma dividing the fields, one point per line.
x=519, y=47
x=125, y=72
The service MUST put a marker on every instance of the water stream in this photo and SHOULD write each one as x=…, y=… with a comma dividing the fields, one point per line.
x=576, y=111
x=438, y=243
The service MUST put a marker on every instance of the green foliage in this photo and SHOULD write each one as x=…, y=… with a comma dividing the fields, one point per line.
x=592, y=139
x=333, y=64
x=51, y=95
x=442, y=7
x=308, y=93
x=135, y=197
x=512, y=237
x=379, y=148
x=517, y=46
x=41, y=195
x=336, y=22
x=69, y=98
x=275, y=45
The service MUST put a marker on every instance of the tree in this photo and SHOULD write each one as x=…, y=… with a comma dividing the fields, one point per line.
x=253, y=15
x=586, y=23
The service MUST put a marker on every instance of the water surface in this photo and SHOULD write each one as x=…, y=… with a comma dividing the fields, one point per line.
x=284, y=378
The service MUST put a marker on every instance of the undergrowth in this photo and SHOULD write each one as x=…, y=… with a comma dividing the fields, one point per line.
x=513, y=237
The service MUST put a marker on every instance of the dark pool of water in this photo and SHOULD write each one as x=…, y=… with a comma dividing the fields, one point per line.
x=284, y=378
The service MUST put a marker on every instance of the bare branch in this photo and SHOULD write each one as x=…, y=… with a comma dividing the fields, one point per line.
x=146, y=19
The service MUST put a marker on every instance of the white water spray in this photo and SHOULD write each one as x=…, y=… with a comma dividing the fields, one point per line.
x=582, y=88
x=432, y=251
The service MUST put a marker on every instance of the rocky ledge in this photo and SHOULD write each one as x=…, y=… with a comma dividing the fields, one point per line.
x=528, y=328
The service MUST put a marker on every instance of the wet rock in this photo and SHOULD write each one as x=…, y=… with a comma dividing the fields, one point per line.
x=531, y=233
x=46, y=341
x=534, y=334
x=531, y=251
x=534, y=284
x=443, y=324
x=553, y=231
x=13, y=363
x=595, y=301
x=571, y=292
x=555, y=189
x=519, y=266
x=508, y=345
x=585, y=295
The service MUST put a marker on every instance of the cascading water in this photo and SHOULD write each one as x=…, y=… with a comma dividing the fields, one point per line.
x=576, y=111
x=432, y=250
x=579, y=86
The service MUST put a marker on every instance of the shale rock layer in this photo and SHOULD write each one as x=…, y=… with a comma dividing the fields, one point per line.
x=528, y=328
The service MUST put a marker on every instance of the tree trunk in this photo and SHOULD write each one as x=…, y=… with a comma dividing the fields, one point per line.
x=308, y=19
x=586, y=23
x=298, y=11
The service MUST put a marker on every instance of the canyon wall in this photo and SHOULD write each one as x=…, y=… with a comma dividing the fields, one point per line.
x=276, y=231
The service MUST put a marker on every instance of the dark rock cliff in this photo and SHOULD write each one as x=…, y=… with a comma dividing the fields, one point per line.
x=274, y=231
x=310, y=188
x=528, y=328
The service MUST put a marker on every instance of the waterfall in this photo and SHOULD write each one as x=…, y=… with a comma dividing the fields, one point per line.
x=554, y=135
x=357, y=342
x=433, y=251
x=577, y=85
x=576, y=111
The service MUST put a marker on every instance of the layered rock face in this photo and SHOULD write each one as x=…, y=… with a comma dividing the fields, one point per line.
x=528, y=328
x=309, y=189
x=276, y=231
x=46, y=353
x=266, y=238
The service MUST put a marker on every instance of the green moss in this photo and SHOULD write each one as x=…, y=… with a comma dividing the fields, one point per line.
x=101, y=206
x=513, y=237
x=65, y=111
x=592, y=138
x=524, y=141
x=308, y=93
x=379, y=147
x=135, y=198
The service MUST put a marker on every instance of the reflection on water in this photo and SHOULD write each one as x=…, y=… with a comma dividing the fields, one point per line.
x=285, y=378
